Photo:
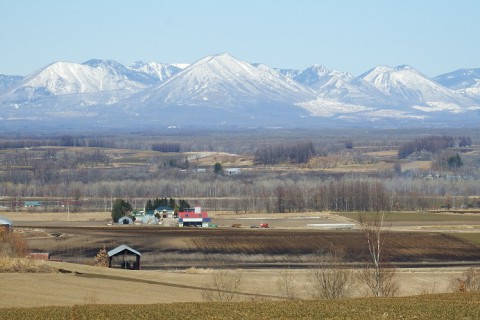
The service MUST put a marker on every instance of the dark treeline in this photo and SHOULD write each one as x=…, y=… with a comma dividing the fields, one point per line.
x=177, y=206
x=297, y=153
x=56, y=141
x=167, y=147
x=432, y=144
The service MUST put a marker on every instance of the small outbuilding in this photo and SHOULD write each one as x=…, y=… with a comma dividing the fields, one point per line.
x=5, y=225
x=125, y=220
x=125, y=253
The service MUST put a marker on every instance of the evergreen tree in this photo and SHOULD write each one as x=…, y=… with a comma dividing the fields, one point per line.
x=171, y=203
x=120, y=209
x=182, y=205
x=217, y=168
x=455, y=161
x=149, y=205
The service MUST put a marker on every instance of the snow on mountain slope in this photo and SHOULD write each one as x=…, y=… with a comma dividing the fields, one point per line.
x=342, y=86
x=315, y=75
x=158, y=71
x=119, y=71
x=66, y=78
x=221, y=80
x=326, y=108
x=411, y=88
x=463, y=81
x=223, y=89
x=8, y=81
x=459, y=79
x=290, y=73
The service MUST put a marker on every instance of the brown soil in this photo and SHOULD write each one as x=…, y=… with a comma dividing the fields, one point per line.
x=171, y=248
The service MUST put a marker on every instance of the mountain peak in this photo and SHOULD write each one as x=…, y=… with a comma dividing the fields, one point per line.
x=96, y=63
x=224, y=80
x=312, y=75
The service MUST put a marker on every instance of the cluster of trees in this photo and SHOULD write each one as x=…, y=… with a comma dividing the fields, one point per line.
x=447, y=161
x=297, y=153
x=120, y=208
x=181, y=205
x=167, y=147
x=432, y=144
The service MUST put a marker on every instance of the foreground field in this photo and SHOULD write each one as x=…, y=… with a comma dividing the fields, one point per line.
x=94, y=285
x=445, y=306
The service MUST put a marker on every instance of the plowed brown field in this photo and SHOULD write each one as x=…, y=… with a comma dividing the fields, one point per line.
x=179, y=248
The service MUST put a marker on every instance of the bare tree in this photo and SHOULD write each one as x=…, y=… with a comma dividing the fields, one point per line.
x=377, y=275
x=468, y=281
x=330, y=280
x=223, y=286
x=285, y=284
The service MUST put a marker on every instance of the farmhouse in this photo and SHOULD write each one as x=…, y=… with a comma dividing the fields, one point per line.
x=164, y=212
x=193, y=218
x=32, y=204
x=5, y=225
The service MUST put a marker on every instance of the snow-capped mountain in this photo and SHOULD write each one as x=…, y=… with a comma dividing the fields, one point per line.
x=158, y=71
x=463, y=81
x=411, y=89
x=459, y=79
x=90, y=83
x=342, y=87
x=222, y=90
x=66, y=78
x=223, y=81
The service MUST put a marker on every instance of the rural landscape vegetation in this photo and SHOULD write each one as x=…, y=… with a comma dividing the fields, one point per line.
x=381, y=221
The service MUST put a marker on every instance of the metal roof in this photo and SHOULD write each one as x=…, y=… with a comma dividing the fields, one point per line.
x=121, y=248
x=4, y=220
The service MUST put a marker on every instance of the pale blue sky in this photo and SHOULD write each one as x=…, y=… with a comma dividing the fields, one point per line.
x=433, y=36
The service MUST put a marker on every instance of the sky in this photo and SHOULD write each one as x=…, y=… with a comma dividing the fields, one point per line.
x=433, y=36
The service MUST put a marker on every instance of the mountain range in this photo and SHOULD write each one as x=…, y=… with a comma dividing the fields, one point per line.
x=222, y=91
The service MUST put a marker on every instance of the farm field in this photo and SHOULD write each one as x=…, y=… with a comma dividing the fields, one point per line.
x=288, y=243
x=94, y=285
x=178, y=262
x=445, y=306
x=173, y=248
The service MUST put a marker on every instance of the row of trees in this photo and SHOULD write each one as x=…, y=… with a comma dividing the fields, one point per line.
x=260, y=193
x=297, y=153
x=179, y=206
x=167, y=147
x=432, y=144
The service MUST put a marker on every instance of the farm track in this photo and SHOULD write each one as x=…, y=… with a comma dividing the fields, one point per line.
x=170, y=248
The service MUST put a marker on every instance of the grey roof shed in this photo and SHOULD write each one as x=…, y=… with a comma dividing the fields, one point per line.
x=5, y=224
x=124, y=251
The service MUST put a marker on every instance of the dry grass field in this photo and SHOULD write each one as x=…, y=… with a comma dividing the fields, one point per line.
x=94, y=285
